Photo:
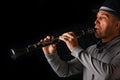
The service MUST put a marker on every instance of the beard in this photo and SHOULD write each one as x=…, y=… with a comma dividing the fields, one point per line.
x=103, y=34
x=100, y=35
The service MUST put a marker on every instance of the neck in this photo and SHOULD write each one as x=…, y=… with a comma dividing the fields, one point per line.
x=104, y=40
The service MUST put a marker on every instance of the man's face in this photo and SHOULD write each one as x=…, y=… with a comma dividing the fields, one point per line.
x=104, y=25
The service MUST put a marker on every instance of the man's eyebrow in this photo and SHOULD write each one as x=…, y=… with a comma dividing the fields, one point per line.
x=105, y=14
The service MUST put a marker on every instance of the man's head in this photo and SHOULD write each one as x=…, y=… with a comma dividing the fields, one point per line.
x=107, y=23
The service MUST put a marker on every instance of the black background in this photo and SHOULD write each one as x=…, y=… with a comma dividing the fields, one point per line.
x=24, y=25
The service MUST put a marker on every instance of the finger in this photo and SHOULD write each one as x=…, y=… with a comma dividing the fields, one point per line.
x=72, y=33
x=54, y=45
x=47, y=38
x=64, y=38
x=69, y=34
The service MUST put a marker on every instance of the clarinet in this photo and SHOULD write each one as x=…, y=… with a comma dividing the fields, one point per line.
x=19, y=52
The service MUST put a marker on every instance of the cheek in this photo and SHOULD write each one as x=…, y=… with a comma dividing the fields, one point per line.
x=105, y=29
x=109, y=30
x=103, y=26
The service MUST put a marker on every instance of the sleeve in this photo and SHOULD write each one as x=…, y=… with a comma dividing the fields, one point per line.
x=96, y=65
x=62, y=68
x=116, y=73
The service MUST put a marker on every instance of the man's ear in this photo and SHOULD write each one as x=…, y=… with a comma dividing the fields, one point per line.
x=118, y=26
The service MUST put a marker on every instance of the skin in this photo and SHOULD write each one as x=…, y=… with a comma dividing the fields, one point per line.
x=107, y=27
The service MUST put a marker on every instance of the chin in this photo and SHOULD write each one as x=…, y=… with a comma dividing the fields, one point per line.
x=97, y=36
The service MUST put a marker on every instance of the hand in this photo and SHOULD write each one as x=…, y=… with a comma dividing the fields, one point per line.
x=70, y=39
x=49, y=49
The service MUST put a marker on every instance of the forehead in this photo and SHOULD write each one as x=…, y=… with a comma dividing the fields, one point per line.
x=106, y=13
x=102, y=12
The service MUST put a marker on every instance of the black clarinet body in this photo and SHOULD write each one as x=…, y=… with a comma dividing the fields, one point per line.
x=19, y=52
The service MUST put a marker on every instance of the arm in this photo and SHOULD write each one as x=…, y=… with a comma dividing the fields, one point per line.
x=91, y=63
x=62, y=68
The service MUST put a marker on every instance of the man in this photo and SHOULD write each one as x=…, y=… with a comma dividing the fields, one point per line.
x=100, y=61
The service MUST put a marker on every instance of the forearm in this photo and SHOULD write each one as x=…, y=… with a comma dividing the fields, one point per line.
x=62, y=68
